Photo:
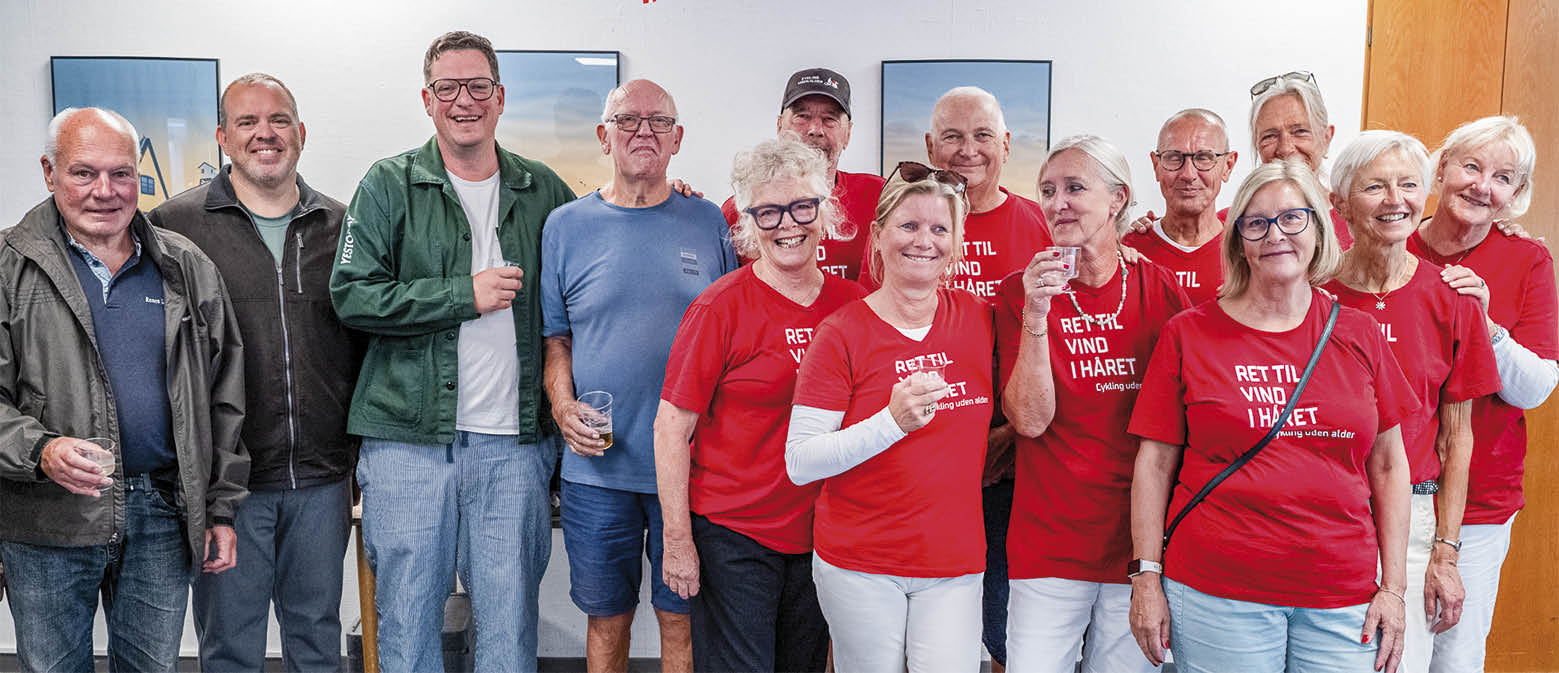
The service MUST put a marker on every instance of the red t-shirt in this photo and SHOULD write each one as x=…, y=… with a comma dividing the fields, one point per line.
x=1071, y=512
x=996, y=242
x=1293, y=526
x=1520, y=274
x=1199, y=271
x=734, y=361
x=857, y=194
x=914, y=509
x=1339, y=226
x=1439, y=339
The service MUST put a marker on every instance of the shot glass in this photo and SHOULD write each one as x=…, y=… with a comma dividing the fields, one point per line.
x=939, y=374
x=1069, y=258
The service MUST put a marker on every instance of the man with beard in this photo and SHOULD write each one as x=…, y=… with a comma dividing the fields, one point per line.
x=816, y=107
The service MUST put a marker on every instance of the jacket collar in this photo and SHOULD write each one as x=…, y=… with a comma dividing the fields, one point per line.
x=220, y=194
x=41, y=238
x=427, y=167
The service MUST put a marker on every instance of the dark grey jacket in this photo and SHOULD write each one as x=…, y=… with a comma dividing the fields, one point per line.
x=300, y=362
x=52, y=384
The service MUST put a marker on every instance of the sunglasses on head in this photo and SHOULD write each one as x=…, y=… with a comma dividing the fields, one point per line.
x=1261, y=87
x=914, y=171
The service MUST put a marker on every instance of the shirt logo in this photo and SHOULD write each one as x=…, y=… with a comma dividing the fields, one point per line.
x=689, y=262
x=153, y=300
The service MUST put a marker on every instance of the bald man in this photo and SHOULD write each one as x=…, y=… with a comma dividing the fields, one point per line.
x=122, y=345
x=619, y=267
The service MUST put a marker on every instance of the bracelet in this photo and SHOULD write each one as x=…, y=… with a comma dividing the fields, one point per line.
x=1398, y=594
x=1453, y=544
x=1040, y=333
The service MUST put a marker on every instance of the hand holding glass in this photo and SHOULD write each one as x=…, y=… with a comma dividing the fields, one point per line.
x=99, y=450
x=938, y=376
x=1069, y=259
x=595, y=410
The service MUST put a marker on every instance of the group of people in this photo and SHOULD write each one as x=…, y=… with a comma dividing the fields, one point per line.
x=873, y=421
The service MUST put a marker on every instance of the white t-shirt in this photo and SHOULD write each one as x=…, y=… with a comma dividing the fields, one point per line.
x=489, y=364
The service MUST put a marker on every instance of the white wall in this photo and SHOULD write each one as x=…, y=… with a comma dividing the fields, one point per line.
x=1119, y=67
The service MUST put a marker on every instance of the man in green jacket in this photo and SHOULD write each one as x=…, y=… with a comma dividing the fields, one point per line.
x=119, y=336
x=437, y=262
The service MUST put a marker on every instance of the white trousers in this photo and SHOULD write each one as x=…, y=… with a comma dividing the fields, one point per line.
x=1461, y=649
x=881, y=623
x=1049, y=619
x=1417, y=641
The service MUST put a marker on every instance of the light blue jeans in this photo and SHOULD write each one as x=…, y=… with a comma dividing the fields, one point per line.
x=1208, y=634
x=478, y=505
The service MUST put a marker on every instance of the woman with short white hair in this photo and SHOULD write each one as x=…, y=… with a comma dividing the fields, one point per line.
x=1379, y=183
x=1483, y=174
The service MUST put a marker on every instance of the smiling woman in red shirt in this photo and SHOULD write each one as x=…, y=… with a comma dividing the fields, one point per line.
x=1379, y=184
x=1081, y=356
x=891, y=408
x=1275, y=570
x=738, y=533
x=1483, y=173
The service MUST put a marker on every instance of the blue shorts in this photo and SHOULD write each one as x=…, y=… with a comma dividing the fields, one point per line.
x=605, y=533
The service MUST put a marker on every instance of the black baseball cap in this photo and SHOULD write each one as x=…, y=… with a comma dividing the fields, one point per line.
x=817, y=82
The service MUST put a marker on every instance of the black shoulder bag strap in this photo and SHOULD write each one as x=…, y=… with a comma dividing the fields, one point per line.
x=1326, y=335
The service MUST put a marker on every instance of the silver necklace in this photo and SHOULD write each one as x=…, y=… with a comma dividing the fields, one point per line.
x=1118, y=307
x=1380, y=299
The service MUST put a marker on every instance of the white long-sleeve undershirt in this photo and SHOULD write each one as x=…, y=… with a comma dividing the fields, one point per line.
x=1526, y=377
x=816, y=448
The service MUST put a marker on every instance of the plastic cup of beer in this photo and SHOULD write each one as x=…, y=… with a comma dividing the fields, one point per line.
x=597, y=414
x=100, y=452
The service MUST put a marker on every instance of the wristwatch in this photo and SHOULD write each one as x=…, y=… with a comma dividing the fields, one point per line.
x=1499, y=335
x=1453, y=544
x=1138, y=566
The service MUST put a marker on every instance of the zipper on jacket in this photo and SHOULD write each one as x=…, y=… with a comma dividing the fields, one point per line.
x=297, y=263
x=286, y=349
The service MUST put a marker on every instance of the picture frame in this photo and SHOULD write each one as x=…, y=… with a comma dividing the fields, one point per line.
x=911, y=88
x=172, y=102
x=552, y=103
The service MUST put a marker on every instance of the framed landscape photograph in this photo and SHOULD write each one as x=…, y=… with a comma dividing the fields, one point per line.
x=171, y=101
x=552, y=103
x=911, y=88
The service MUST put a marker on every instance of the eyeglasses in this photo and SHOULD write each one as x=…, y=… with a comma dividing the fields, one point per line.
x=480, y=88
x=1261, y=87
x=630, y=123
x=1173, y=160
x=1291, y=222
x=914, y=171
x=802, y=211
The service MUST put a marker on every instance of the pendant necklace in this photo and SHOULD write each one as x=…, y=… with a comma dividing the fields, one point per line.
x=1118, y=307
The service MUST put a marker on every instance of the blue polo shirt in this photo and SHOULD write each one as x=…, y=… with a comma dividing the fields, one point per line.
x=127, y=316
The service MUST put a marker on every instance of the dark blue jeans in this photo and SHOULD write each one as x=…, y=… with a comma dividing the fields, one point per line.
x=756, y=609
x=143, y=578
x=997, y=499
x=290, y=547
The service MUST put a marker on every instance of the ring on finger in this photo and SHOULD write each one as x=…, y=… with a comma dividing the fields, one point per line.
x=931, y=409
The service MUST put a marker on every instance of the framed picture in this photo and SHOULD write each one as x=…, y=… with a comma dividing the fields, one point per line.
x=171, y=101
x=552, y=103
x=911, y=88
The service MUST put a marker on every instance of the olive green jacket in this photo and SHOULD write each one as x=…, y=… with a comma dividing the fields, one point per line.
x=52, y=384
x=403, y=274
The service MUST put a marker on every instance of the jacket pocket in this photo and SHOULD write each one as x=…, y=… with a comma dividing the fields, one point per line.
x=394, y=381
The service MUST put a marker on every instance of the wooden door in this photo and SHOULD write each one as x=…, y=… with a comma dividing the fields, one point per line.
x=1526, y=620
x=1434, y=64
